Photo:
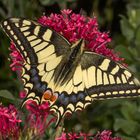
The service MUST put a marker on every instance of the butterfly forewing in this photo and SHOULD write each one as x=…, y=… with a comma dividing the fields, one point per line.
x=42, y=49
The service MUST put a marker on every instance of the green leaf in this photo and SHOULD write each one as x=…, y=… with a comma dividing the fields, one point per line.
x=133, y=14
x=129, y=127
x=124, y=52
x=6, y=94
x=124, y=137
x=128, y=110
x=127, y=29
x=137, y=39
x=47, y=2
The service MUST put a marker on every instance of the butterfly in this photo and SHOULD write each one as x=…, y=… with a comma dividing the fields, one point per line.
x=66, y=75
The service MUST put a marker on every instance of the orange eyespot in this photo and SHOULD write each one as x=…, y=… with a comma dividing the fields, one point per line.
x=47, y=95
x=53, y=98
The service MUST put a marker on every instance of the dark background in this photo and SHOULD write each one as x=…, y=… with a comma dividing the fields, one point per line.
x=122, y=19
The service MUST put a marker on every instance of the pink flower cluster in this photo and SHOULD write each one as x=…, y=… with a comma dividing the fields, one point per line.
x=37, y=118
x=9, y=122
x=75, y=26
x=105, y=135
x=36, y=122
x=16, y=58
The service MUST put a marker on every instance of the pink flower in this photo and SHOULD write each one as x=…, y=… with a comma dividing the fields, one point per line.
x=16, y=58
x=73, y=136
x=9, y=122
x=37, y=118
x=75, y=26
x=105, y=135
x=62, y=137
x=68, y=136
x=85, y=136
x=22, y=94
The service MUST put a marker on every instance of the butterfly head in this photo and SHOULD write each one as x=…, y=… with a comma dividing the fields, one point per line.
x=80, y=44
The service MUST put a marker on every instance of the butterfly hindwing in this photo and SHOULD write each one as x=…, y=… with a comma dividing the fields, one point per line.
x=108, y=78
x=95, y=77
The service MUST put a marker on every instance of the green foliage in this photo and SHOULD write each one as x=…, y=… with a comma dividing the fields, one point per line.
x=6, y=94
x=130, y=28
x=47, y=2
x=129, y=123
x=61, y=3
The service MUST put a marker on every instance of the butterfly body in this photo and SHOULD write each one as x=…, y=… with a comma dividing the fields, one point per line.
x=68, y=68
x=65, y=74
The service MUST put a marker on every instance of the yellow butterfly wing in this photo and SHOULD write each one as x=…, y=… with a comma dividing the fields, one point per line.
x=42, y=49
x=95, y=77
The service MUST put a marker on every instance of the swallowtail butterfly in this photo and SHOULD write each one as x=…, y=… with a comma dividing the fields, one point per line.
x=64, y=74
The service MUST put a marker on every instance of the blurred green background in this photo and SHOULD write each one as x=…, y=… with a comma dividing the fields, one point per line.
x=122, y=19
